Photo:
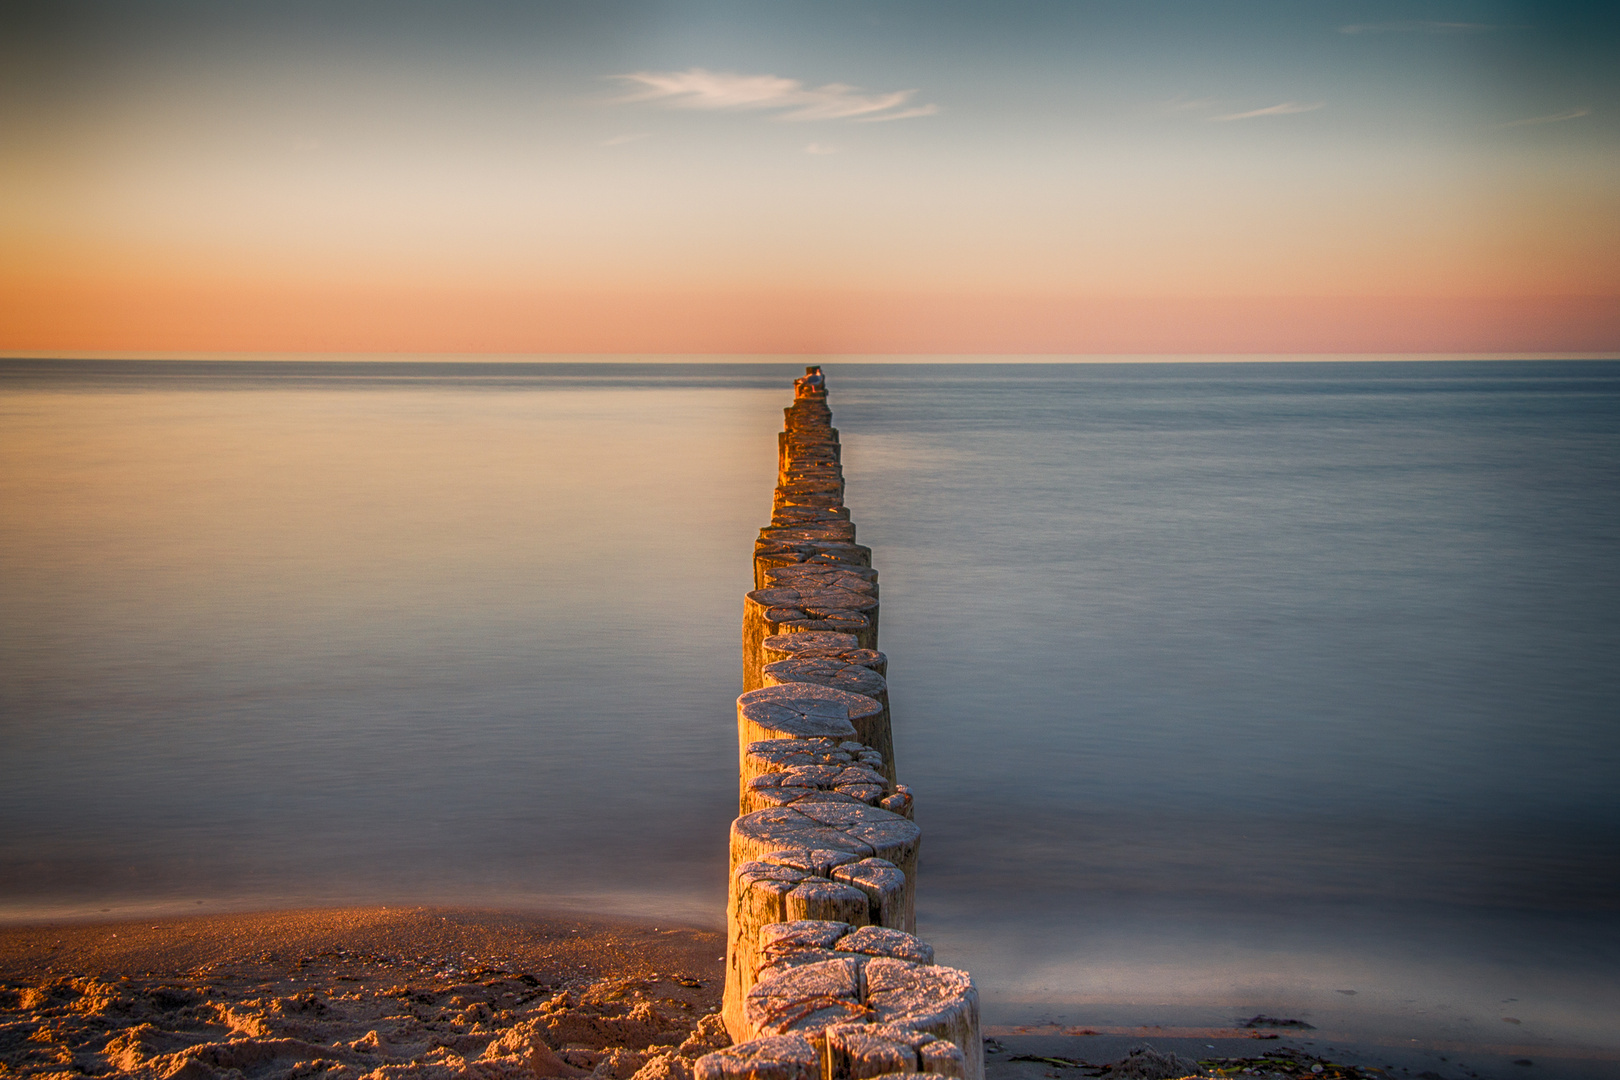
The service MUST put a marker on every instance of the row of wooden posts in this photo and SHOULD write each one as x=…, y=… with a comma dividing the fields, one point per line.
x=825, y=978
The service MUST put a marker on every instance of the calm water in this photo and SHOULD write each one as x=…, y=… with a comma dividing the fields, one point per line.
x=1224, y=688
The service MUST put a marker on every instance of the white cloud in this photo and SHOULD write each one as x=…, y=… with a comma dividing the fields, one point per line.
x=697, y=88
x=1181, y=103
x=1287, y=108
x=1418, y=26
x=822, y=148
x=903, y=114
x=1553, y=118
x=629, y=137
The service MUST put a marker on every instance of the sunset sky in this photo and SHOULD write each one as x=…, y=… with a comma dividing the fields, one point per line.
x=831, y=177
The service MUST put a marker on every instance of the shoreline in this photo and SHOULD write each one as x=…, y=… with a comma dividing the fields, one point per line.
x=424, y=991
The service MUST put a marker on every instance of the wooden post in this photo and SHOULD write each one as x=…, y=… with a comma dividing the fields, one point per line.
x=789, y=610
x=843, y=1052
x=758, y=903
x=864, y=831
x=939, y=1001
x=780, y=772
x=855, y=1051
x=786, y=1057
x=824, y=978
x=802, y=711
x=770, y=554
x=822, y=643
x=828, y=668
x=836, y=575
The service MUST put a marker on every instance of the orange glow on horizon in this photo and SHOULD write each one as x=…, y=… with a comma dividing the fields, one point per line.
x=100, y=318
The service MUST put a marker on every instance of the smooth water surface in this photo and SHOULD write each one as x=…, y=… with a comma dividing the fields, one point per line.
x=1224, y=688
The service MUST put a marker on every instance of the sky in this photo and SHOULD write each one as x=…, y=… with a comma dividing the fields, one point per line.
x=836, y=177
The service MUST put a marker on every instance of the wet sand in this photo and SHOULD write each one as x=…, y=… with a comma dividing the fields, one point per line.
x=375, y=992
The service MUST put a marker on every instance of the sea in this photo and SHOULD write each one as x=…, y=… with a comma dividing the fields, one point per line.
x=1284, y=689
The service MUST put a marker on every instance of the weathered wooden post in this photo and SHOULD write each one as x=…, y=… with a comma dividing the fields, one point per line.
x=855, y=671
x=804, y=710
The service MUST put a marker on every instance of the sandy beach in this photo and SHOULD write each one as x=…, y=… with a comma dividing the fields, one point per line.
x=379, y=992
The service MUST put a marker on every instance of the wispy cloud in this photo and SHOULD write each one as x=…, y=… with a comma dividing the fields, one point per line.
x=1285, y=109
x=823, y=148
x=1418, y=26
x=903, y=114
x=1553, y=118
x=791, y=99
x=629, y=137
x=1181, y=103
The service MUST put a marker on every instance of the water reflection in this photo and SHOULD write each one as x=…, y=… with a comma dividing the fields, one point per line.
x=1217, y=686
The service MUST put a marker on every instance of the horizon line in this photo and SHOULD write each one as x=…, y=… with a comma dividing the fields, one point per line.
x=752, y=358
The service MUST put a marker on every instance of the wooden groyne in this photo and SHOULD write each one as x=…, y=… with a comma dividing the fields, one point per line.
x=825, y=978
